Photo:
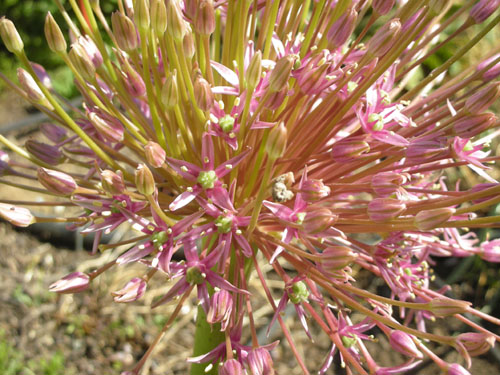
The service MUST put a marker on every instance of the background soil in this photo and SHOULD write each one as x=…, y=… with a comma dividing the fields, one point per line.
x=88, y=333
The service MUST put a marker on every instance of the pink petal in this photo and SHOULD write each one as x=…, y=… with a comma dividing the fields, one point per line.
x=226, y=73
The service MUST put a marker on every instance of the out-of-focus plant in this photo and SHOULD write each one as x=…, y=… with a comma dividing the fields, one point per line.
x=234, y=133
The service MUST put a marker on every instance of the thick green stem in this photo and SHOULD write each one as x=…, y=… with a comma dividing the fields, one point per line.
x=206, y=338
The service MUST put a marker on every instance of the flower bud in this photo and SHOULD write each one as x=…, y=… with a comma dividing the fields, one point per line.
x=259, y=362
x=91, y=49
x=54, y=35
x=348, y=149
x=276, y=142
x=46, y=153
x=490, y=251
x=73, y=283
x=342, y=29
x=430, y=219
x=42, y=75
x=203, y=93
x=169, y=91
x=124, y=32
x=56, y=182
x=10, y=36
x=29, y=86
x=221, y=306
x=82, y=62
x=204, y=21
x=471, y=125
x=188, y=45
x=492, y=72
x=335, y=258
x=231, y=367
x=387, y=183
x=382, y=7
x=384, y=209
x=254, y=71
x=318, y=220
x=176, y=24
x=133, y=80
x=403, y=343
x=131, y=292
x=107, y=126
x=483, y=9
x=314, y=190
x=276, y=99
x=18, y=216
x=383, y=39
x=53, y=132
x=424, y=149
x=481, y=100
x=476, y=343
x=155, y=154
x=158, y=17
x=456, y=369
x=112, y=182
x=144, y=180
x=141, y=14
x=281, y=73
x=443, y=307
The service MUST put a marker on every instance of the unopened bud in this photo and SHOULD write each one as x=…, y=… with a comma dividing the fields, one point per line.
x=281, y=73
x=155, y=154
x=314, y=190
x=56, y=182
x=188, y=45
x=73, y=283
x=176, y=24
x=456, y=369
x=383, y=39
x=335, y=258
x=82, y=62
x=254, y=71
x=430, y=219
x=221, y=306
x=203, y=93
x=276, y=142
x=424, y=149
x=144, y=180
x=259, y=362
x=141, y=14
x=204, y=22
x=348, y=149
x=476, y=343
x=133, y=80
x=492, y=72
x=318, y=220
x=107, y=126
x=403, y=343
x=382, y=7
x=10, y=36
x=443, y=307
x=342, y=29
x=53, y=132
x=91, y=49
x=276, y=99
x=29, y=86
x=384, y=209
x=45, y=152
x=387, y=183
x=131, y=292
x=169, y=91
x=54, y=35
x=483, y=9
x=231, y=367
x=158, y=17
x=481, y=100
x=124, y=32
x=471, y=125
x=18, y=216
x=112, y=182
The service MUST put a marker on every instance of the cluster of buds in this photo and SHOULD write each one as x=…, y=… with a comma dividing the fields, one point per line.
x=234, y=133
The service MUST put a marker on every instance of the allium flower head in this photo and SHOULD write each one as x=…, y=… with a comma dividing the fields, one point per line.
x=226, y=135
